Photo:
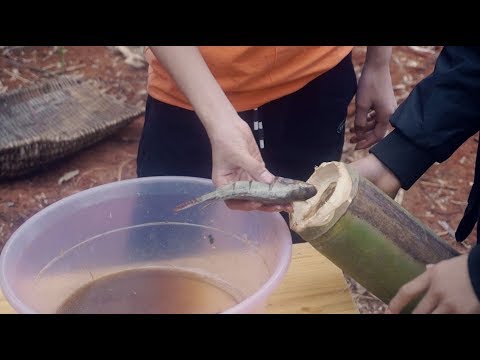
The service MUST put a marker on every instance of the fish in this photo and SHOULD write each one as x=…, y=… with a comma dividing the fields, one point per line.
x=281, y=191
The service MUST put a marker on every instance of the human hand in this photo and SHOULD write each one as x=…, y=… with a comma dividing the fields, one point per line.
x=447, y=288
x=375, y=103
x=235, y=156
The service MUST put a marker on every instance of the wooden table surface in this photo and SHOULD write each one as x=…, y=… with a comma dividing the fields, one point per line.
x=312, y=285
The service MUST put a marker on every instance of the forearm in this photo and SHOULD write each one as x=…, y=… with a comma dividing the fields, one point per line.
x=188, y=69
x=375, y=170
x=441, y=112
x=403, y=158
x=378, y=56
x=438, y=116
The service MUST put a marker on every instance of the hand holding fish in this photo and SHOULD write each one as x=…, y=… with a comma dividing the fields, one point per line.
x=280, y=192
x=235, y=157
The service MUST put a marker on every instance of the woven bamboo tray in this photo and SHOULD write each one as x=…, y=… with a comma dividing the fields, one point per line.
x=48, y=121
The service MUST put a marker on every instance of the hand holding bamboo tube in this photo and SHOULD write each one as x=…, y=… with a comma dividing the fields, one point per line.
x=364, y=232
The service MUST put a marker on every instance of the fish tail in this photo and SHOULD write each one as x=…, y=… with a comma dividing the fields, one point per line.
x=185, y=205
x=196, y=201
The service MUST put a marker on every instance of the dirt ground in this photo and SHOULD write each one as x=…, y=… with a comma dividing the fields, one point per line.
x=438, y=199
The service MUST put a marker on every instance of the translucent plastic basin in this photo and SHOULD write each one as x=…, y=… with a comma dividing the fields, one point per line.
x=131, y=225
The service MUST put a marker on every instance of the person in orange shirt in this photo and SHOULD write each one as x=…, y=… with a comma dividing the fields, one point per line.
x=231, y=113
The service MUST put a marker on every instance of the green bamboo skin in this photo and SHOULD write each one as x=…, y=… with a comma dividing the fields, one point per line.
x=376, y=241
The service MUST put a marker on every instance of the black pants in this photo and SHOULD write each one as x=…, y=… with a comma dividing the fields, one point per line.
x=300, y=131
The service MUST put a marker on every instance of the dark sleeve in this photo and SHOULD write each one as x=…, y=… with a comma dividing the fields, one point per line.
x=439, y=115
x=474, y=269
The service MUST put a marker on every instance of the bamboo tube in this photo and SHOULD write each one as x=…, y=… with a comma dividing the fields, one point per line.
x=366, y=233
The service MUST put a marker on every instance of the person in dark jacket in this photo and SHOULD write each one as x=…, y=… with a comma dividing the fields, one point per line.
x=439, y=115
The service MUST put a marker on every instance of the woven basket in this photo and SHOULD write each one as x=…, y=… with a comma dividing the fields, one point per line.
x=51, y=120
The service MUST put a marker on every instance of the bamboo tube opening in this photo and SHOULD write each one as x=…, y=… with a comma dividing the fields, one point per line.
x=335, y=190
x=365, y=232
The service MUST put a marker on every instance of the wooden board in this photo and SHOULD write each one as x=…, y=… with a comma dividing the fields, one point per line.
x=5, y=307
x=312, y=285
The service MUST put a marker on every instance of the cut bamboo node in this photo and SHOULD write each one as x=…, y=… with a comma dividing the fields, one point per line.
x=365, y=232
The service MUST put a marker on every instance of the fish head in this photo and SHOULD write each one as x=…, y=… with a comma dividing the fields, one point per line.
x=304, y=191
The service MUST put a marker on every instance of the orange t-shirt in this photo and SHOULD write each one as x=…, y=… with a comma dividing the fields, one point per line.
x=251, y=76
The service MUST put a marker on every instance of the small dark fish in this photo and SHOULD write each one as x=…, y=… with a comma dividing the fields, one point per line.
x=281, y=192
